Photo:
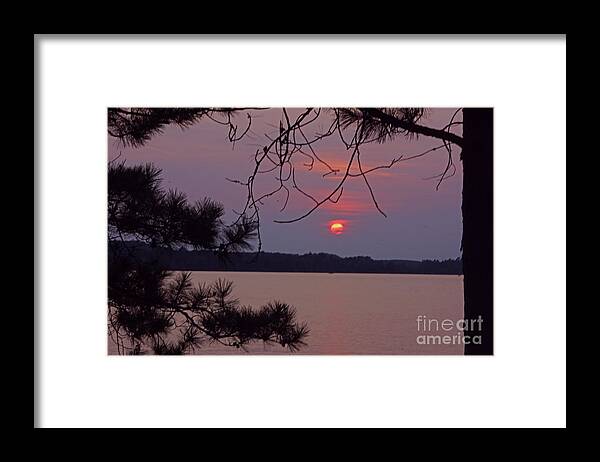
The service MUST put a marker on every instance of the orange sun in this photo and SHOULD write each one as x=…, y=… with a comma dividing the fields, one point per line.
x=336, y=228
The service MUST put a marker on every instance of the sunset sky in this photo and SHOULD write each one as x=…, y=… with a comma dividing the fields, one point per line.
x=421, y=223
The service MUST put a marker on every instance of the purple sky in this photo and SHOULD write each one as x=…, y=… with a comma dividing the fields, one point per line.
x=421, y=222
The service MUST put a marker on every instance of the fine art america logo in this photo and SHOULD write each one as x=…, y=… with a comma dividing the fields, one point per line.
x=432, y=331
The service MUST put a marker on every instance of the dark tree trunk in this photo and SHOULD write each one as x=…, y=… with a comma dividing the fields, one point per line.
x=477, y=241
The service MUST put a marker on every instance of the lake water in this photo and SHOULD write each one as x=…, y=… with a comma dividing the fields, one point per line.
x=353, y=313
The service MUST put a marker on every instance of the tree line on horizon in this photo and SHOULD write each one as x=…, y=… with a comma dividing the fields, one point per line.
x=184, y=259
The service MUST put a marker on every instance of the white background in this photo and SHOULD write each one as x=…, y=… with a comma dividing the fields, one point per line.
x=523, y=385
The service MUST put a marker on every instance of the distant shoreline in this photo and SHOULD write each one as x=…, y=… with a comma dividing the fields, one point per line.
x=314, y=272
x=276, y=262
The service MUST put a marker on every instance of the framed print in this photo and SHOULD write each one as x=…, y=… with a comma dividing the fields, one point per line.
x=299, y=231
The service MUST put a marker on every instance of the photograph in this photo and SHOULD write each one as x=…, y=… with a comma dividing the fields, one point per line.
x=300, y=231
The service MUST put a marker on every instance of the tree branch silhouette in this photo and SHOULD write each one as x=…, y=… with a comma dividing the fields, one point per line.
x=151, y=308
